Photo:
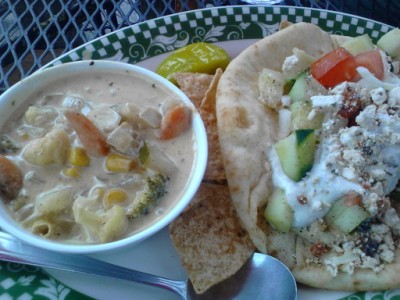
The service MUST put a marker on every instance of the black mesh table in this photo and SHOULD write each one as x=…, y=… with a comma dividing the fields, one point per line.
x=34, y=32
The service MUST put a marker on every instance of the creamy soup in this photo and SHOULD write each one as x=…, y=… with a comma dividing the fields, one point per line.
x=101, y=157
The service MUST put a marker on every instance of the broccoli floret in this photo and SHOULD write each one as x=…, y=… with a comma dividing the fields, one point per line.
x=7, y=145
x=156, y=188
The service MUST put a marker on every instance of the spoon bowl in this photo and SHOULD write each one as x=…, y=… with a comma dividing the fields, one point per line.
x=262, y=277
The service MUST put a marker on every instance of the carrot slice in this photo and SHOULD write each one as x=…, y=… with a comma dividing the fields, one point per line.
x=90, y=136
x=11, y=178
x=177, y=120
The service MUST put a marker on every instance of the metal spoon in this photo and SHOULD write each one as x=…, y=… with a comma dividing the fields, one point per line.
x=262, y=277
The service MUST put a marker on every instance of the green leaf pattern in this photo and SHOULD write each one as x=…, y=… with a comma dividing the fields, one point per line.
x=26, y=282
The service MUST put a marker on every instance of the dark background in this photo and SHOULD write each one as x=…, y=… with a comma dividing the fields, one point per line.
x=34, y=32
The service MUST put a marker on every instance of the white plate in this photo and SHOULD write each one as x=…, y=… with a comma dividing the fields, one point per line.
x=146, y=44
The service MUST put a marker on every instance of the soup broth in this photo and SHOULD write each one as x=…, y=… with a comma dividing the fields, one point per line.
x=96, y=166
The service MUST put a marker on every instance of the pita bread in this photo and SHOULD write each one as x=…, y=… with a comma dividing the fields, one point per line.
x=360, y=280
x=247, y=129
x=210, y=239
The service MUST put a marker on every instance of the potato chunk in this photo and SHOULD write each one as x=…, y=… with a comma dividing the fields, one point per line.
x=51, y=149
x=40, y=116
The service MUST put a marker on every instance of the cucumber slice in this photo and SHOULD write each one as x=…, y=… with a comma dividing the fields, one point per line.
x=359, y=44
x=296, y=153
x=298, y=91
x=278, y=211
x=345, y=217
x=390, y=43
x=300, y=111
x=288, y=86
x=304, y=87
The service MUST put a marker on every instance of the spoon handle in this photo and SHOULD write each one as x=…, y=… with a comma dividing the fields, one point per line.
x=13, y=250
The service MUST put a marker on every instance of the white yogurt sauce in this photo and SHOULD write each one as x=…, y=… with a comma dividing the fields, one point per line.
x=321, y=188
x=341, y=164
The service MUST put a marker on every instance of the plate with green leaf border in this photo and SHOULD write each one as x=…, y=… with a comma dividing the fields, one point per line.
x=147, y=44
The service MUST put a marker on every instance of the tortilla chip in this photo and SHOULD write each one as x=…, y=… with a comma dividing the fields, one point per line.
x=215, y=168
x=201, y=90
x=208, y=235
x=194, y=85
x=210, y=239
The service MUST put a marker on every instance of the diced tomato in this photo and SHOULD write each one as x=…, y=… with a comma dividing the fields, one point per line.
x=333, y=68
x=340, y=65
x=372, y=60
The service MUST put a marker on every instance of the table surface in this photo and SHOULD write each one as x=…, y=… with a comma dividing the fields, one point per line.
x=33, y=34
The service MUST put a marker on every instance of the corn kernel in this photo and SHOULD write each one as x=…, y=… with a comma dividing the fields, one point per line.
x=78, y=157
x=120, y=163
x=114, y=196
x=72, y=172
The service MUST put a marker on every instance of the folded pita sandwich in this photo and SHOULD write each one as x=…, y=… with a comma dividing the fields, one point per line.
x=314, y=182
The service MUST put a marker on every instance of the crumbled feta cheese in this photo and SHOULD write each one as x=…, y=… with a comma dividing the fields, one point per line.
x=372, y=263
x=385, y=253
x=341, y=88
x=347, y=259
x=392, y=219
x=379, y=228
x=326, y=102
x=290, y=63
x=378, y=95
x=332, y=126
x=394, y=97
x=371, y=203
x=378, y=174
x=351, y=137
x=349, y=173
x=297, y=63
x=354, y=157
x=366, y=118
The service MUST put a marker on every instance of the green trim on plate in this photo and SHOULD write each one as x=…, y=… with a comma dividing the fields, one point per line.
x=148, y=39
x=27, y=282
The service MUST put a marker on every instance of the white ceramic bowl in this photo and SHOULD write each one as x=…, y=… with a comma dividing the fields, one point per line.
x=17, y=98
